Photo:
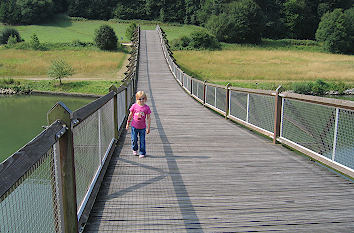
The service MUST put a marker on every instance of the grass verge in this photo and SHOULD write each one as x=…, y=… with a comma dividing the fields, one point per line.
x=256, y=67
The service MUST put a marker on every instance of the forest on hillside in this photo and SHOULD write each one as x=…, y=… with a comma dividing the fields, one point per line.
x=274, y=19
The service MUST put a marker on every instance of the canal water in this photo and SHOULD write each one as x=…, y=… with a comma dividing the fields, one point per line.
x=22, y=118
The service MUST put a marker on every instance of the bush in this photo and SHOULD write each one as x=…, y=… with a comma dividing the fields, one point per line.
x=304, y=88
x=130, y=31
x=242, y=22
x=320, y=87
x=11, y=41
x=105, y=38
x=35, y=44
x=181, y=43
x=203, y=40
x=7, y=32
x=59, y=69
x=339, y=87
x=336, y=31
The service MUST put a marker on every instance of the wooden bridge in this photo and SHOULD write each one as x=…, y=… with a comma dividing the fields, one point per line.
x=202, y=172
x=205, y=174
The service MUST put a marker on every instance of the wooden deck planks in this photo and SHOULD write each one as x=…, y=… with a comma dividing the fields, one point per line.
x=206, y=174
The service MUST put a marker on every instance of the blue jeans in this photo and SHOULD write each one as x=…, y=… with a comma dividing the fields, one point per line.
x=141, y=133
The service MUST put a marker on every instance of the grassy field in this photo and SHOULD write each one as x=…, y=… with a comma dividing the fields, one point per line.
x=63, y=29
x=253, y=65
x=88, y=63
x=35, y=64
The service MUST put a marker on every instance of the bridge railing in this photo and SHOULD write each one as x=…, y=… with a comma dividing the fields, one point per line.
x=321, y=128
x=51, y=183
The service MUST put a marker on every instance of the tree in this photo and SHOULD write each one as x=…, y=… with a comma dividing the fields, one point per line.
x=59, y=69
x=300, y=18
x=274, y=26
x=191, y=7
x=241, y=22
x=336, y=31
x=25, y=11
x=209, y=8
x=325, y=6
x=60, y=6
x=10, y=12
x=105, y=38
x=130, y=30
x=152, y=8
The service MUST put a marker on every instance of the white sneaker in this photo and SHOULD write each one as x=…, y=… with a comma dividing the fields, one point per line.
x=135, y=152
x=141, y=156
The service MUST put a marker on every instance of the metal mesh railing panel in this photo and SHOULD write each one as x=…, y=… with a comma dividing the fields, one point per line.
x=31, y=204
x=107, y=126
x=261, y=111
x=210, y=95
x=188, y=84
x=238, y=105
x=344, y=152
x=87, y=157
x=179, y=72
x=309, y=125
x=194, y=87
x=200, y=87
x=221, y=99
x=129, y=94
x=121, y=108
x=180, y=76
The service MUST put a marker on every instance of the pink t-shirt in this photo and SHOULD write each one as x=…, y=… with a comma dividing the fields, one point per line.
x=139, y=115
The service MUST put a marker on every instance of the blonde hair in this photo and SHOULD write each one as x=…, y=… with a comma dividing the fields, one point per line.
x=140, y=94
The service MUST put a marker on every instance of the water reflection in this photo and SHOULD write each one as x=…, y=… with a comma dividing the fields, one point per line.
x=22, y=118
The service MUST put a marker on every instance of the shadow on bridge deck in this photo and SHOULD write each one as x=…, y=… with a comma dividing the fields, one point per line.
x=205, y=174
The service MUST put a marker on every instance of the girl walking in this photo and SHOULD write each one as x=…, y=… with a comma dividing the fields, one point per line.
x=139, y=113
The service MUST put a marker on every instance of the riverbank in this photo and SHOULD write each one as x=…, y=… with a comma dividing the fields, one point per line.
x=69, y=87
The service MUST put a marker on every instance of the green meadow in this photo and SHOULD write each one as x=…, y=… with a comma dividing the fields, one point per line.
x=65, y=29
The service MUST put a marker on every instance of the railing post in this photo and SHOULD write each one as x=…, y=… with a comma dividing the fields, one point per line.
x=204, y=92
x=191, y=85
x=67, y=167
x=227, y=106
x=115, y=110
x=248, y=107
x=277, y=115
x=182, y=81
x=335, y=135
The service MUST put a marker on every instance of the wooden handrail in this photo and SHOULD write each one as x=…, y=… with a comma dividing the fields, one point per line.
x=346, y=104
